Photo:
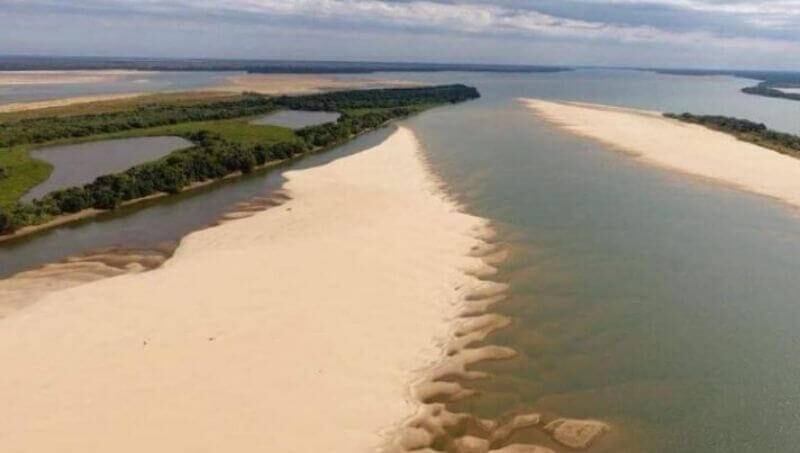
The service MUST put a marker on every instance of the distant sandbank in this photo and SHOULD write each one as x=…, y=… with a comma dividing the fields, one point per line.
x=305, y=83
x=670, y=143
x=268, y=84
x=64, y=77
x=298, y=328
x=63, y=102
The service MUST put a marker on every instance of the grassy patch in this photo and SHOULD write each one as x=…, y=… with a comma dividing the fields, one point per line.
x=22, y=173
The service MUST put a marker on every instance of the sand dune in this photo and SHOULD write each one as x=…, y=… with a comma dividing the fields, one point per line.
x=680, y=146
x=297, y=329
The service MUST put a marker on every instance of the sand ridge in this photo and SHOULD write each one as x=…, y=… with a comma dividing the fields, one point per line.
x=298, y=328
x=680, y=146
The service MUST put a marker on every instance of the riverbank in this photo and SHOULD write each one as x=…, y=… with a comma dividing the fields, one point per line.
x=307, y=317
x=676, y=145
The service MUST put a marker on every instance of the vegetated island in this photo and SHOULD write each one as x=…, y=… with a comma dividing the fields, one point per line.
x=772, y=83
x=736, y=152
x=226, y=143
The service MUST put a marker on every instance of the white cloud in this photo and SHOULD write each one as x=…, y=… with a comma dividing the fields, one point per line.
x=479, y=19
x=488, y=18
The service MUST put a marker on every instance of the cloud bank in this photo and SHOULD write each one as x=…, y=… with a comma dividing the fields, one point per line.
x=635, y=32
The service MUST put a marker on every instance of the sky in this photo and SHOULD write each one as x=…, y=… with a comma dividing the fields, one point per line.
x=733, y=34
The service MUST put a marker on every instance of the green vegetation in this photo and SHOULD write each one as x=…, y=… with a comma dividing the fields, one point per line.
x=237, y=131
x=20, y=173
x=48, y=129
x=225, y=143
x=187, y=98
x=746, y=130
x=772, y=91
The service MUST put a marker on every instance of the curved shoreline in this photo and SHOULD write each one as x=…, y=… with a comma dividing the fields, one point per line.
x=255, y=327
x=679, y=146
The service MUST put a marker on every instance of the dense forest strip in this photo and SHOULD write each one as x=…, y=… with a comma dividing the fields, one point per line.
x=116, y=105
x=217, y=153
x=745, y=130
x=769, y=90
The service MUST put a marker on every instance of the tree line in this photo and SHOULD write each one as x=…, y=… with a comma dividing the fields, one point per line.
x=747, y=130
x=214, y=157
x=47, y=129
x=766, y=89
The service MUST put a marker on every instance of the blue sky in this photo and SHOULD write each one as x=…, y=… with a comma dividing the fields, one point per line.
x=677, y=33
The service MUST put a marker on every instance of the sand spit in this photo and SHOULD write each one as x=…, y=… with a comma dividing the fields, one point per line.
x=304, y=83
x=680, y=146
x=35, y=105
x=64, y=77
x=293, y=329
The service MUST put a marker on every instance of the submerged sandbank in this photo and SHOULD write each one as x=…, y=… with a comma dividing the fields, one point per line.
x=298, y=328
x=679, y=146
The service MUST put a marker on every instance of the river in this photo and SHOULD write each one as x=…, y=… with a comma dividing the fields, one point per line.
x=661, y=303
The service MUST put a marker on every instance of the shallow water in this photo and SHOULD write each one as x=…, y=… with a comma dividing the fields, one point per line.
x=297, y=119
x=661, y=303
x=151, y=223
x=129, y=83
x=76, y=165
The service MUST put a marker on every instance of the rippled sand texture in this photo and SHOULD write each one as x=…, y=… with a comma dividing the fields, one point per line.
x=680, y=146
x=298, y=328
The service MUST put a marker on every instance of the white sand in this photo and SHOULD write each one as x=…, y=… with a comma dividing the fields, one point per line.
x=295, y=330
x=680, y=146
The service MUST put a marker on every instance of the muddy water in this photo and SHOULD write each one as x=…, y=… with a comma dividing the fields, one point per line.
x=150, y=224
x=297, y=119
x=76, y=165
x=661, y=304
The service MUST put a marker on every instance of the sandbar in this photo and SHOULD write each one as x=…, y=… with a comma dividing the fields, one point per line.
x=64, y=77
x=680, y=146
x=304, y=83
x=63, y=102
x=297, y=329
